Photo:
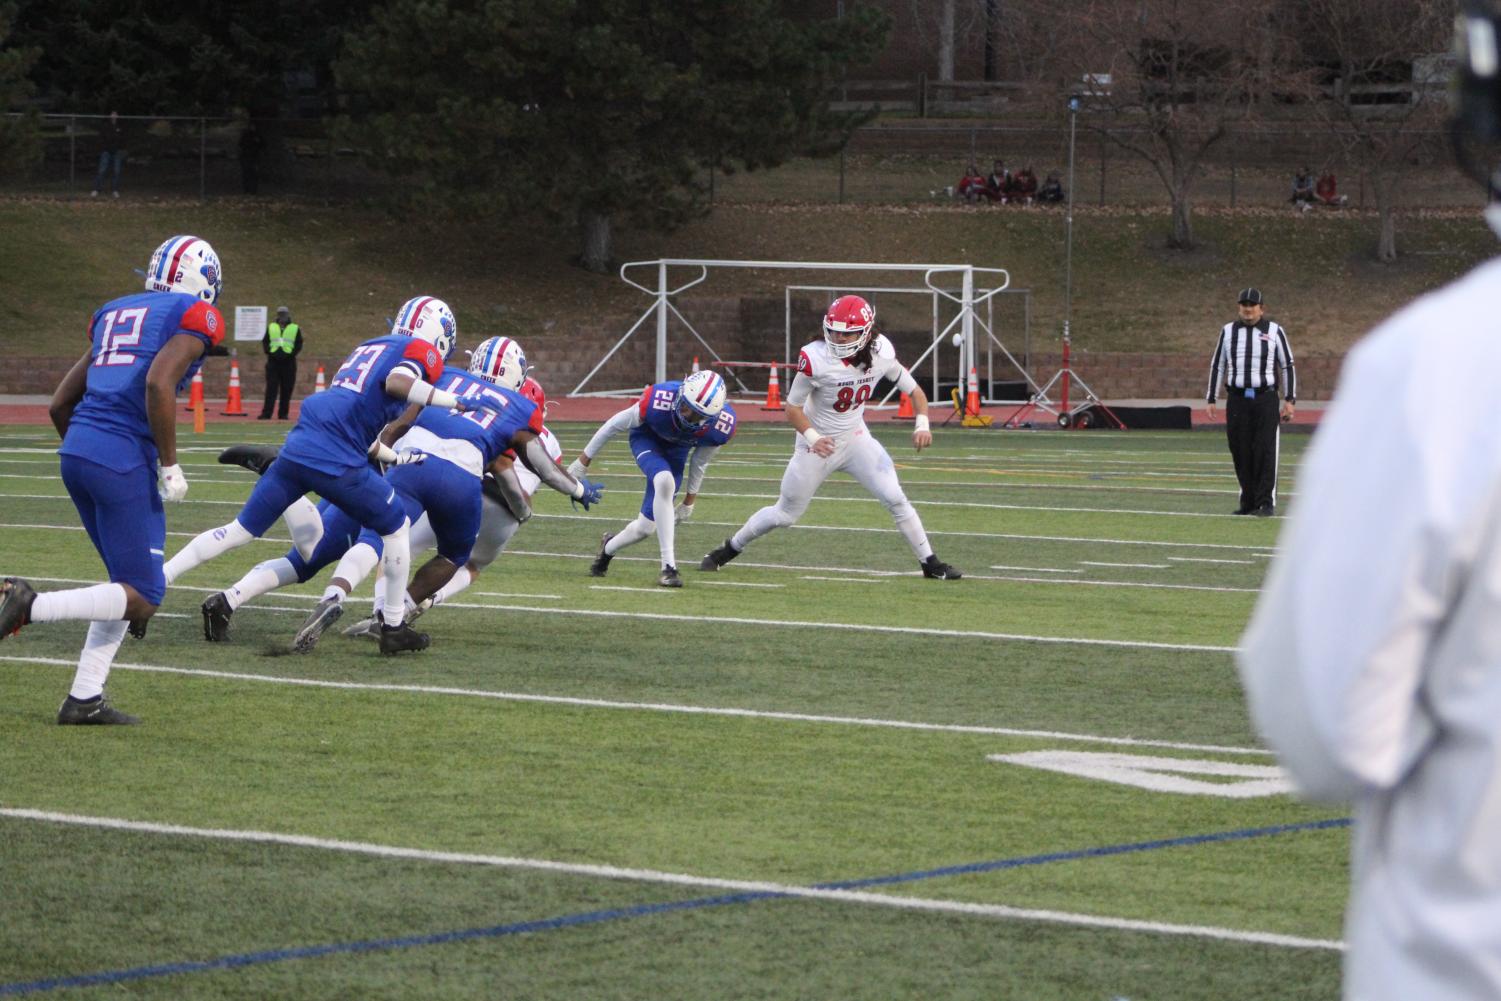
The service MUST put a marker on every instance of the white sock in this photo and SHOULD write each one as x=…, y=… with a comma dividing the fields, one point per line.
x=461, y=579
x=912, y=529
x=262, y=579
x=99, y=603
x=354, y=568
x=98, y=653
x=214, y=542
x=306, y=526
x=393, y=610
x=661, y=509
x=630, y=534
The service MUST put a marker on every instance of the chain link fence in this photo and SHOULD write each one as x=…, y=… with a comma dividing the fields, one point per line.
x=904, y=163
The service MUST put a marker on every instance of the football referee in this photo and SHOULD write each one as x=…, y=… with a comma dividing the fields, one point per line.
x=1251, y=354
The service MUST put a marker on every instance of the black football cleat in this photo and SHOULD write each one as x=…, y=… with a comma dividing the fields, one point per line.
x=137, y=628
x=325, y=615
x=402, y=638
x=253, y=457
x=16, y=597
x=935, y=569
x=92, y=712
x=216, y=613
x=601, y=564
x=670, y=577
x=719, y=557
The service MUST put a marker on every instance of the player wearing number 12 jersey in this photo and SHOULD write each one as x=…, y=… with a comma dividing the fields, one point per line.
x=116, y=412
x=826, y=407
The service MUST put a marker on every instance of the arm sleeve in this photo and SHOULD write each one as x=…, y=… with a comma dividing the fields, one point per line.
x=205, y=321
x=698, y=463
x=426, y=358
x=1342, y=705
x=628, y=418
x=1289, y=374
x=1215, y=364
x=802, y=387
x=897, y=373
x=534, y=454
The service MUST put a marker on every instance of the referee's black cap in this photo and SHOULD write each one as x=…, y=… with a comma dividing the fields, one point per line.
x=1250, y=297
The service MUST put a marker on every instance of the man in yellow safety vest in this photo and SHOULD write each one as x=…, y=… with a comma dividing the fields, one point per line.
x=282, y=343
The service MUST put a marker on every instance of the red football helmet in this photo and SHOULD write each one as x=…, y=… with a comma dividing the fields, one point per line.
x=848, y=314
x=532, y=390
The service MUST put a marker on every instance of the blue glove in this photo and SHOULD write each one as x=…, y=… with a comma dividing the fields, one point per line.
x=593, y=492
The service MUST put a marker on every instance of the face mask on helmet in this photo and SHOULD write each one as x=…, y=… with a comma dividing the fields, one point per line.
x=430, y=320
x=700, y=399
x=499, y=360
x=186, y=264
x=849, y=314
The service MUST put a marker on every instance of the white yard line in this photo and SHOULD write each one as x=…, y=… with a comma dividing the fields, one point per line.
x=679, y=879
x=734, y=583
x=1035, y=569
x=846, y=580
x=661, y=707
x=1142, y=566
x=1204, y=559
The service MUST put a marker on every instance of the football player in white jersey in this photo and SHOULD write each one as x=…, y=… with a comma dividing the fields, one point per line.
x=826, y=407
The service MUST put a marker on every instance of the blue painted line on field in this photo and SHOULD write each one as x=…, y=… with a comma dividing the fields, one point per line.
x=245, y=959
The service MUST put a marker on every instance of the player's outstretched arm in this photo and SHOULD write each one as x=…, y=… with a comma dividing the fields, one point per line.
x=167, y=369
x=65, y=398
x=626, y=419
x=533, y=453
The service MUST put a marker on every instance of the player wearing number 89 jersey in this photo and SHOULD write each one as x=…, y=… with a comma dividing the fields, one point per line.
x=826, y=407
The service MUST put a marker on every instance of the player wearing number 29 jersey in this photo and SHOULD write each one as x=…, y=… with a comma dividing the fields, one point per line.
x=116, y=411
x=826, y=406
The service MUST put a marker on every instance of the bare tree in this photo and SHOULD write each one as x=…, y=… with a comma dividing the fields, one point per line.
x=941, y=25
x=1382, y=100
x=1168, y=80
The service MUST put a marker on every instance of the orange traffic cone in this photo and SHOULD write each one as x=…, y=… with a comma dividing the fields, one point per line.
x=195, y=391
x=972, y=398
x=904, y=409
x=233, y=406
x=318, y=385
x=773, y=391
x=695, y=364
x=200, y=423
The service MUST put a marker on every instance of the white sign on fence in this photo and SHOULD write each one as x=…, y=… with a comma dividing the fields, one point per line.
x=250, y=323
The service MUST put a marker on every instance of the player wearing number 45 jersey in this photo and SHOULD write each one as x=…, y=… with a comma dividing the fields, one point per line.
x=826, y=407
x=116, y=413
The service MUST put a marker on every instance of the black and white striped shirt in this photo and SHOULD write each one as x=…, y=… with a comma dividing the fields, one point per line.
x=1250, y=356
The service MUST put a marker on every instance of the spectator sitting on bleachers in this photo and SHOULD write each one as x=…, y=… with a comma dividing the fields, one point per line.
x=1051, y=190
x=1303, y=194
x=998, y=182
x=972, y=185
x=1327, y=192
x=1024, y=186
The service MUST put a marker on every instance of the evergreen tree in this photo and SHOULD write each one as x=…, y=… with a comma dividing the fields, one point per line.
x=20, y=146
x=596, y=112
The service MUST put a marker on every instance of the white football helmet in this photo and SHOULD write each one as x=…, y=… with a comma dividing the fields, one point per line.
x=428, y=319
x=700, y=399
x=186, y=264
x=499, y=360
x=848, y=314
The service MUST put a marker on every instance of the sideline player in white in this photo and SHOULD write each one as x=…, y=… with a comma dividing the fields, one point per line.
x=826, y=407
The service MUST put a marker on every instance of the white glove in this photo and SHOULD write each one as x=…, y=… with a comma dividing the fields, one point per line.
x=410, y=457
x=682, y=513
x=174, y=485
x=576, y=469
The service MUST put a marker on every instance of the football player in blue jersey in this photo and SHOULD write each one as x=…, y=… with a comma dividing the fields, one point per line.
x=116, y=411
x=441, y=461
x=670, y=421
x=383, y=383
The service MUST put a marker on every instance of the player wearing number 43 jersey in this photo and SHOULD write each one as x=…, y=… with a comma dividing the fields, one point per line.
x=826, y=407
x=116, y=413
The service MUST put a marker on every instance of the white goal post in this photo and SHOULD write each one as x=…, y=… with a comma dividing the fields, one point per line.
x=959, y=288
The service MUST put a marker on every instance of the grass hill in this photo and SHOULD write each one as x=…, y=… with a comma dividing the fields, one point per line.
x=344, y=268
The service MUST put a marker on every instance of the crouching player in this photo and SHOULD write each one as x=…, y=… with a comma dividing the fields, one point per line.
x=670, y=421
